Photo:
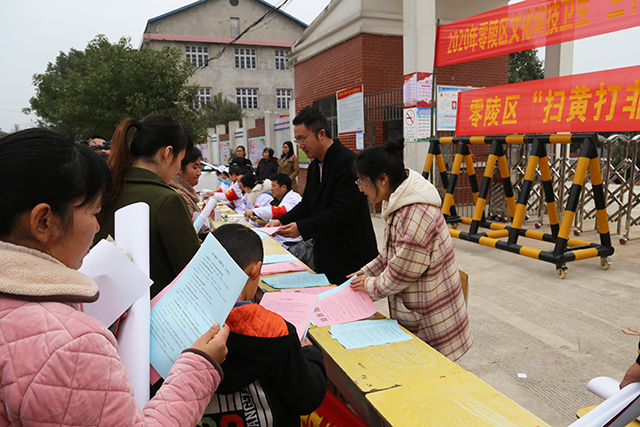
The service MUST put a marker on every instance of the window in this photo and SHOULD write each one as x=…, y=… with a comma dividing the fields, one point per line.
x=198, y=55
x=204, y=96
x=282, y=62
x=235, y=26
x=283, y=96
x=247, y=98
x=329, y=108
x=245, y=58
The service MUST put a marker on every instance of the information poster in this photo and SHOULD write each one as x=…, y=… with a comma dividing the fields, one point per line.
x=225, y=152
x=409, y=90
x=423, y=125
x=257, y=145
x=424, y=89
x=350, y=103
x=447, y=106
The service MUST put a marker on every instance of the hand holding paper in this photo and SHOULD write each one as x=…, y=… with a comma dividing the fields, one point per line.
x=214, y=342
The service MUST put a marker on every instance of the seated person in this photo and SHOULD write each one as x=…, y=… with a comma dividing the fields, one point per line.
x=188, y=177
x=284, y=199
x=232, y=192
x=258, y=194
x=270, y=377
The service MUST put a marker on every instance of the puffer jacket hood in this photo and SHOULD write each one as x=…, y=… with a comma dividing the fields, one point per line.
x=37, y=276
x=258, y=190
x=414, y=189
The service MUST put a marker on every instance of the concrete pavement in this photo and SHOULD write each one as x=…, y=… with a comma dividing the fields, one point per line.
x=560, y=333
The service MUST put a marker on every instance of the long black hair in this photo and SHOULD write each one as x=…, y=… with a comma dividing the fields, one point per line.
x=291, y=153
x=41, y=166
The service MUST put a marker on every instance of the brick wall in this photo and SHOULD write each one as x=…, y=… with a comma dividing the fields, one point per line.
x=376, y=62
x=259, y=131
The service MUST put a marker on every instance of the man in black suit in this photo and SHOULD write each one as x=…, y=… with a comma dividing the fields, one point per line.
x=333, y=212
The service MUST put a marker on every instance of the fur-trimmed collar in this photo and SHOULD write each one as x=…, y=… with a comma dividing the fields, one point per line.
x=30, y=274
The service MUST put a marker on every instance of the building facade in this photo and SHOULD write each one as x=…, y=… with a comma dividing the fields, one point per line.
x=372, y=43
x=253, y=70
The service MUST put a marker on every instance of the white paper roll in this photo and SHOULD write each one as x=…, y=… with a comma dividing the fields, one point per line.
x=132, y=233
x=603, y=387
x=623, y=407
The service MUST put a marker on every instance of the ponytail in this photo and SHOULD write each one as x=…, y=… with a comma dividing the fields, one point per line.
x=153, y=133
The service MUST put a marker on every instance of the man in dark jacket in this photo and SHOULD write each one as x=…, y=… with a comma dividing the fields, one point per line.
x=333, y=211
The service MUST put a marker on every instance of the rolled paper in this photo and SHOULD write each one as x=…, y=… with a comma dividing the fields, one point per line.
x=208, y=208
x=132, y=233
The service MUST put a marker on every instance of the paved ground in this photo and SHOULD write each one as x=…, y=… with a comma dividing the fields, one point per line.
x=560, y=333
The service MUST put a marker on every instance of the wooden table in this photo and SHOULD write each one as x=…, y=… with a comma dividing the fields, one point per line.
x=409, y=383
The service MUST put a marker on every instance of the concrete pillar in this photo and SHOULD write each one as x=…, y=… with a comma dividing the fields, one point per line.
x=221, y=129
x=558, y=62
x=270, y=129
x=419, y=25
x=248, y=123
x=233, y=126
x=213, y=146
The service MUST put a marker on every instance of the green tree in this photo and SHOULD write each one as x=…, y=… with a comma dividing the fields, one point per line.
x=3, y=133
x=91, y=91
x=220, y=111
x=525, y=66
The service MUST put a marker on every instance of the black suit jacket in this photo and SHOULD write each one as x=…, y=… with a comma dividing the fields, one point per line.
x=336, y=215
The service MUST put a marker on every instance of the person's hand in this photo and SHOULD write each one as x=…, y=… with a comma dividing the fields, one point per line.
x=631, y=376
x=290, y=230
x=306, y=342
x=357, y=284
x=357, y=273
x=214, y=342
x=275, y=223
x=248, y=213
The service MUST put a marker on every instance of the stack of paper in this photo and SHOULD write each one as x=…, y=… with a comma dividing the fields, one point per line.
x=272, y=259
x=342, y=305
x=282, y=267
x=295, y=308
x=297, y=280
x=313, y=291
x=366, y=333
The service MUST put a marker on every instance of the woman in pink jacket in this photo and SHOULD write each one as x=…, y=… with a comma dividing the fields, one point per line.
x=59, y=366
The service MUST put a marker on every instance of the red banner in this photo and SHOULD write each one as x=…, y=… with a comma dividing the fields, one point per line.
x=606, y=101
x=530, y=24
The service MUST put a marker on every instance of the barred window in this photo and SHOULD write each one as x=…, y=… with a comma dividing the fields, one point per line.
x=245, y=58
x=247, y=98
x=282, y=62
x=283, y=96
x=204, y=96
x=198, y=55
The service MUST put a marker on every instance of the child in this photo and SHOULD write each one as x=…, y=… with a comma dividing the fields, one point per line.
x=232, y=193
x=270, y=378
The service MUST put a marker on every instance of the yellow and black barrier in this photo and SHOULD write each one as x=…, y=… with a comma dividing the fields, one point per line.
x=565, y=249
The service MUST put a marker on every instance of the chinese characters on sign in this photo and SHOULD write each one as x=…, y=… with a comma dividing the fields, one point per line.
x=530, y=24
x=593, y=102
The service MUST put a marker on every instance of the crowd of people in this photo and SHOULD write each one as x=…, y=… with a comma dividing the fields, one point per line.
x=60, y=366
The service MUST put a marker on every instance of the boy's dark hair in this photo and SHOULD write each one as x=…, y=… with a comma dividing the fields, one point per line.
x=313, y=119
x=281, y=179
x=195, y=155
x=235, y=170
x=242, y=243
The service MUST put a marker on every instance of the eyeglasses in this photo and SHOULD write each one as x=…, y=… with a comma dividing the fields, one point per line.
x=304, y=141
x=360, y=183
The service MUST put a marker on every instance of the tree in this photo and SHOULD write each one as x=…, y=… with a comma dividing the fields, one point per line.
x=91, y=91
x=3, y=133
x=525, y=66
x=220, y=111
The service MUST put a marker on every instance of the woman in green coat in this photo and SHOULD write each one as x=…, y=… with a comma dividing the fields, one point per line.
x=141, y=171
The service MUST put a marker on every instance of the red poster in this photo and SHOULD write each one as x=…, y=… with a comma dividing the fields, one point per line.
x=605, y=101
x=530, y=24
